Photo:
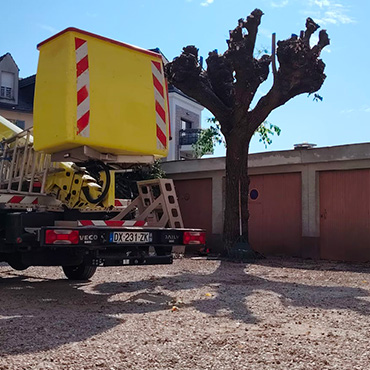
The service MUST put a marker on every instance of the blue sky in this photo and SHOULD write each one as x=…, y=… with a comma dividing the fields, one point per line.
x=342, y=118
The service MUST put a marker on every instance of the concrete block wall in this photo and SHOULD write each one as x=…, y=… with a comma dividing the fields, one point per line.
x=309, y=164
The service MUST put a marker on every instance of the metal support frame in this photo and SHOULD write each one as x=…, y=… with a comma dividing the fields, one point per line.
x=85, y=153
x=25, y=173
x=20, y=166
x=157, y=204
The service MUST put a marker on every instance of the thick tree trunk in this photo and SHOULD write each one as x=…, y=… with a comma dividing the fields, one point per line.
x=237, y=188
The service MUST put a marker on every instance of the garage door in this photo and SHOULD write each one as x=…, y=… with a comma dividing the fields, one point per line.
x=195, y=201
x=275, y=213
x=345, y=215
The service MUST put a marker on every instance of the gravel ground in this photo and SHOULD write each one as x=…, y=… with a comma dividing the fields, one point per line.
x=194, y=314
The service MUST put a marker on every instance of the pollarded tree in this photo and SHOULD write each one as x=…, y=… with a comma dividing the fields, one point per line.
x=227, y=88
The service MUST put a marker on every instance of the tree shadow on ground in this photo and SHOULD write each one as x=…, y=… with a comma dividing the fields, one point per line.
x=232, y=279
x=309, y=264
x=40, y=314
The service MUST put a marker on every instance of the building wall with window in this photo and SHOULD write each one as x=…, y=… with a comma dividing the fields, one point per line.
x=185, y=117
x=21, y=119
x=9, y=75
x=16, y=95
x=310, y=203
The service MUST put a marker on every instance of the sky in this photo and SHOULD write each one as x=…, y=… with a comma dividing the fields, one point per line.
x=343, y=117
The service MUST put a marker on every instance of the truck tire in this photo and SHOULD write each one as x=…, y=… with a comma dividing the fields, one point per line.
x=17, y=265
x=79, y=272
x=15, y=262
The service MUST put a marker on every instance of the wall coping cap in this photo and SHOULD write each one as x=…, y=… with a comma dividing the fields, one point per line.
x=339, y=153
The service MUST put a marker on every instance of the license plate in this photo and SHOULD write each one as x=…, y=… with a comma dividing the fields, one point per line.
x=122, y=237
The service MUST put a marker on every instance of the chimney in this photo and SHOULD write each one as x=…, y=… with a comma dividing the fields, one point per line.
x=304, y=145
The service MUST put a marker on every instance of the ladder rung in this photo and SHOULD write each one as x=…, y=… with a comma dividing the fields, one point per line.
x=21, y=166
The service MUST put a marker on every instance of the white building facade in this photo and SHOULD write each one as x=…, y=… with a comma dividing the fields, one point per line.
x=185, y=117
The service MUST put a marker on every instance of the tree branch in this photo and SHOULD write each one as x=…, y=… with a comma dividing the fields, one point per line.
x=311, y=27
x=251, y=24
x=323, y=41
x=187, y=75
x=241, y=46
x=264, y=107
x=300, y=71
x=246, y=42
x=220, y=75
x=232, y=79
x=249, y=72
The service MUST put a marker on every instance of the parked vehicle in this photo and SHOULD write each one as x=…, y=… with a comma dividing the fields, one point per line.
x=100, y=107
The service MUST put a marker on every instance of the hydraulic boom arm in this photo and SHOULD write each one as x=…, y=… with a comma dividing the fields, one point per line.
x=24, y=170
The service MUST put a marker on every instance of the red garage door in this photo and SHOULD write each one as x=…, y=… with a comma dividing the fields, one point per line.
x=345, y=215
x=195, y=201
x=275, y=207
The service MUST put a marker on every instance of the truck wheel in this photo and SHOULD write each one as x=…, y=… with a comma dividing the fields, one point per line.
x=79, y=272
x=16, y=263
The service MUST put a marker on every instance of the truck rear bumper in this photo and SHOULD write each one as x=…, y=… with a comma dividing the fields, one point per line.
x=111, y=260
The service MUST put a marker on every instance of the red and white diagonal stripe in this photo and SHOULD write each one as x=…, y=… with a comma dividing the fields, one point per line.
x=83, y=88
x=18, y=199
x=160, y=92
x=121, y=203
x=126, y=223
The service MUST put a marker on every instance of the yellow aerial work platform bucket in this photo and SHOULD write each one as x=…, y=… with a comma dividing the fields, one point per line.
x=96, y=92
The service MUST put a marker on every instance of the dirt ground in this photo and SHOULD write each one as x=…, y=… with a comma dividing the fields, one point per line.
x=194, y=314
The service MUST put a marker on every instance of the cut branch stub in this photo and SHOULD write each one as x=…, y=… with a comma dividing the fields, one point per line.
x=252, y=23
x=311, y=27
x=300, y=69
x=191, y=50
x=236, y=36
x=220, y=74
x=185, y=67
x=186, y=74
x=323, y=41
x=249, y=72
x=246, y=42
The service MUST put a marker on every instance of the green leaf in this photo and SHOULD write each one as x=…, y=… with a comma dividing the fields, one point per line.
x=211, y=136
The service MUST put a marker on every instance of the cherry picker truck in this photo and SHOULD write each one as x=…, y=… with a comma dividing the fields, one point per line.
x=100, y=107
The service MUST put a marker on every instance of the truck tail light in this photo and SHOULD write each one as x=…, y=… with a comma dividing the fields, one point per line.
x=62, y=236
x=194, y=237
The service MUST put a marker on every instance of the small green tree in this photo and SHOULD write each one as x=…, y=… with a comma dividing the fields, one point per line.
x=206, y=142
x=212, y=136
x=266, y=130
x=126, y=182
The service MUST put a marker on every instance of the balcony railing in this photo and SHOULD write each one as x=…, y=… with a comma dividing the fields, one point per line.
x=189, y=136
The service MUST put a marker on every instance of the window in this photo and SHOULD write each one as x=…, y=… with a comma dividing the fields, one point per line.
x=7, y=85
x=21, y=124
x=6, y=92
x=185, y=124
